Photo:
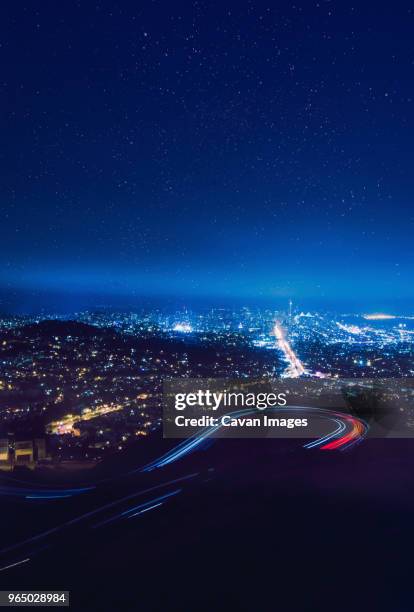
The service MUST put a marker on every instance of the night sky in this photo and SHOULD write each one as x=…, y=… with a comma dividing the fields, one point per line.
x=208, y=149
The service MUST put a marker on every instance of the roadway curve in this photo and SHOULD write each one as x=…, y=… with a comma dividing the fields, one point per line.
x=345, y=431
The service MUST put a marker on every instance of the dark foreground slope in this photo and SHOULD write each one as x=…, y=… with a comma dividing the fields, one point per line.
x=271, y=528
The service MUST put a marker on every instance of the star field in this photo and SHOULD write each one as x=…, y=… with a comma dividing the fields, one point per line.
x=208, y=149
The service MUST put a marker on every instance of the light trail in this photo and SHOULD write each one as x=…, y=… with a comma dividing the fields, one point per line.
x=295, y=367
x=42, y=494
x=92, y=513
x=336, y=439
x=347, y=431
x=146, y=509
x=137, y=509
x=357, y=432
x=14, y=564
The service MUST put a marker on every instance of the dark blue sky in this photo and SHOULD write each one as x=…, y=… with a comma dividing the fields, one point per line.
x=229, y=149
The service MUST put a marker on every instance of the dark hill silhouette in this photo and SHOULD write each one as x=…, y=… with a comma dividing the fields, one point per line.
x=47, y=329
x=52, y=327
x=25, y=339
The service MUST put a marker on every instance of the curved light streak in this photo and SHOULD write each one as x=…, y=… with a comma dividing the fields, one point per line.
x=348, y=430
x=336, y=439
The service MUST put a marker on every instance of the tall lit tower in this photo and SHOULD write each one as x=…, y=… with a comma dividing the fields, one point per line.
x=290, y=310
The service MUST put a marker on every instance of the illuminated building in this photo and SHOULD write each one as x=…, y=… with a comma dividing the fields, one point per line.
x=24, y=453
x=5, y=463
